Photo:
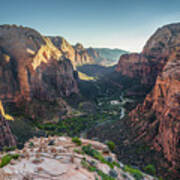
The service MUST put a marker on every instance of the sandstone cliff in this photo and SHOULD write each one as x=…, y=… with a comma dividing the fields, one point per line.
x=158, y=66
x=157, y=120
x=77, y=54
x=146, y=66
x=31, y=67
x=82, y=56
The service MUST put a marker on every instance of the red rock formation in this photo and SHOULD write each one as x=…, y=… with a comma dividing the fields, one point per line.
x=32, y=67
x=82, y=56
x=6, y=137
x=135, y=65
x=147, y=65
x=157, y=120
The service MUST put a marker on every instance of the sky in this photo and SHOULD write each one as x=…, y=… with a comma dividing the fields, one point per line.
x=124, y=24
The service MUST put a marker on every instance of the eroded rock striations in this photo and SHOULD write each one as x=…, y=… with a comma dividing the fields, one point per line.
x=157, y=120
x=31, y=67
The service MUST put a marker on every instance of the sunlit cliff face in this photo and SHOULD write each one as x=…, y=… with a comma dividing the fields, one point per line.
x=2, y=112
x=32, y=64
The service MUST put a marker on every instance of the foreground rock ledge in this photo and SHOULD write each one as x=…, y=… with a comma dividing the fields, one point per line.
x=59, y=158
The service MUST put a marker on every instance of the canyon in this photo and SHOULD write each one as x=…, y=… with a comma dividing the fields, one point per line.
x=135, y=104
x=156, y=120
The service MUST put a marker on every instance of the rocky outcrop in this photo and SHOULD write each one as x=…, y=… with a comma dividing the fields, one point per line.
x=77, y=54
x=136, y=66
x=6, y=137
x=156, y=120
x=146, y=66
x=31, y=67
x=60, y=158
x=82, y=56
x=65, y=48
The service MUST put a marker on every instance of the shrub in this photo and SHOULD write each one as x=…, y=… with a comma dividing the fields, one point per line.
x=91, y=168
x=160, y=178
x=7, y=149
x=103, y=175
x=111, y=145
x=31, y=144
x=94, y=153
x=7, y=159
x=150, y=169
x=84, y=163
x=135, y=172
x=77, y=141
x=97, y=155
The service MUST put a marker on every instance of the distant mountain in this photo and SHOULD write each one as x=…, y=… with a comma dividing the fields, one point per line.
x=80, y=55
x=106, y=56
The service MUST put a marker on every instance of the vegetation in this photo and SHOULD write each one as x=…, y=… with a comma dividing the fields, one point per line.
x=71, y=126
x=92, y=168
x=31, y=144
x=77, y=141
x=7, y=149
x=23, y=129
x=111, y=145
x=137, y=174
x=7, y=159
x=97, y=155
x=104, y=176
x=142, y=148
x=78, y=151
x=150, y=169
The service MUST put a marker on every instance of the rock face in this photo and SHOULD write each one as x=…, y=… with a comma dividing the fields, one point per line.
x=6, y=137
x=31, y=67
x=136, y=66
x=157, y=120
x=138, y=71
x=147, y=65
x=60, y=158
x=82, y=56
x=77, y=54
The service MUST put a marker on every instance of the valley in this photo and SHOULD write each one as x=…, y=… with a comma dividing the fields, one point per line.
x=108, y=110
x=52, y=88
